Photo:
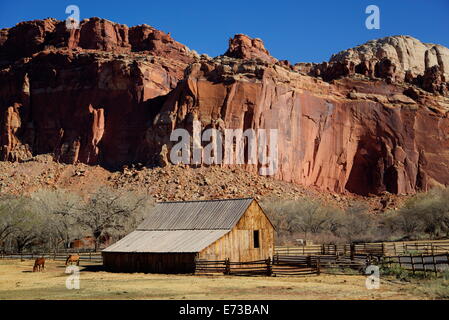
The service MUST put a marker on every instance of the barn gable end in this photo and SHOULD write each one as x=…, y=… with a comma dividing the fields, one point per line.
x=238, y=243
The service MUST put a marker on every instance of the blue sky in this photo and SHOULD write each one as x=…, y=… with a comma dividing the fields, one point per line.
x=307, y=31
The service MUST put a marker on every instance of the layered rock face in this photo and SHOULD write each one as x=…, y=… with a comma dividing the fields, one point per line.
x=406, y=53
x=364, y=137
x=84, y=95
x=396, y=59
x=365, y=122
x=27, y=38
x=243, y=47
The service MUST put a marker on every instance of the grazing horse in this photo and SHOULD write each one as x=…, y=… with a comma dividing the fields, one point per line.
x=73, y=258
x=39, y=264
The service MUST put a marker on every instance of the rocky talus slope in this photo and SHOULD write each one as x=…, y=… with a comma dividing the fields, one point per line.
x=372, y=120
x=172, y=183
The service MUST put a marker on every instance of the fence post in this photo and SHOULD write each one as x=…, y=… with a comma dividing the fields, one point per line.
x=447, y=257
x=413, y=265
x=352, y=251
x=323, y=251
x=432, y=249
x=227, y=266
x=383, y=248
x=394, y=247
x=423, y=264
x=434, y=265
x=269, y=268
x=318, y=267
x=399, y=260
x=309, y=261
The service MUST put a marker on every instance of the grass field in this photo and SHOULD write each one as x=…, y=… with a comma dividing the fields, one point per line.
x=18, y=282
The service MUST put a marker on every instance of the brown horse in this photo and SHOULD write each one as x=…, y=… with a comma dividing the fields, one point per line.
x=39, y=264
x=73, y=258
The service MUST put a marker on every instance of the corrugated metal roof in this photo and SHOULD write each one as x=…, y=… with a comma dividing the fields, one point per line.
x=175, y=241
x=196, y=215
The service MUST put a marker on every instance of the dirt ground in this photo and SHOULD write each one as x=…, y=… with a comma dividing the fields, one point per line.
x=17, y=281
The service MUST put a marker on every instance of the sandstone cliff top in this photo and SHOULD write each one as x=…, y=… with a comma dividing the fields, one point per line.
x=406, y=52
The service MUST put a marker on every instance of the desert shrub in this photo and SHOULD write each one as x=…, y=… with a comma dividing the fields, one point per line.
x=300, y=218
x=425, y=215
x=313, y=220
x=397, y=271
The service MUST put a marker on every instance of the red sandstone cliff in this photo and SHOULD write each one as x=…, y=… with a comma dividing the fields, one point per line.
x=85, y=96
x=111, y=95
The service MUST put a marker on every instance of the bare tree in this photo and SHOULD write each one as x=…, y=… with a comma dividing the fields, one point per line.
x=8, y=220
x=21, y=221
x=355, y=223
x=304, y=216
x=61, y=208
x=313, y=217
x=111, y=212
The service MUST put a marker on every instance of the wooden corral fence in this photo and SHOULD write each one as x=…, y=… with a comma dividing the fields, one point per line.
x=268, y=267
x=328, y=263
x=57, y=256
x=209, y=266
x=432, y=247
x=302, y=250
x=426, y=263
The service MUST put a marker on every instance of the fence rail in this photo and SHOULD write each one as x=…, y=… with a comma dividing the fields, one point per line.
x=426, y=247
x=425, y=263
x=327, y=263
x=426, y=256
x=268, y=267
x=58, y=256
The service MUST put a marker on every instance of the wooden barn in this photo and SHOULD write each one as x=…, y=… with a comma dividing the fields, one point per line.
x=175, y=234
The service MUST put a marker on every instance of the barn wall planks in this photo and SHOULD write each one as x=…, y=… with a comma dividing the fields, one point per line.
x=149, y=262
x=238, y=244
